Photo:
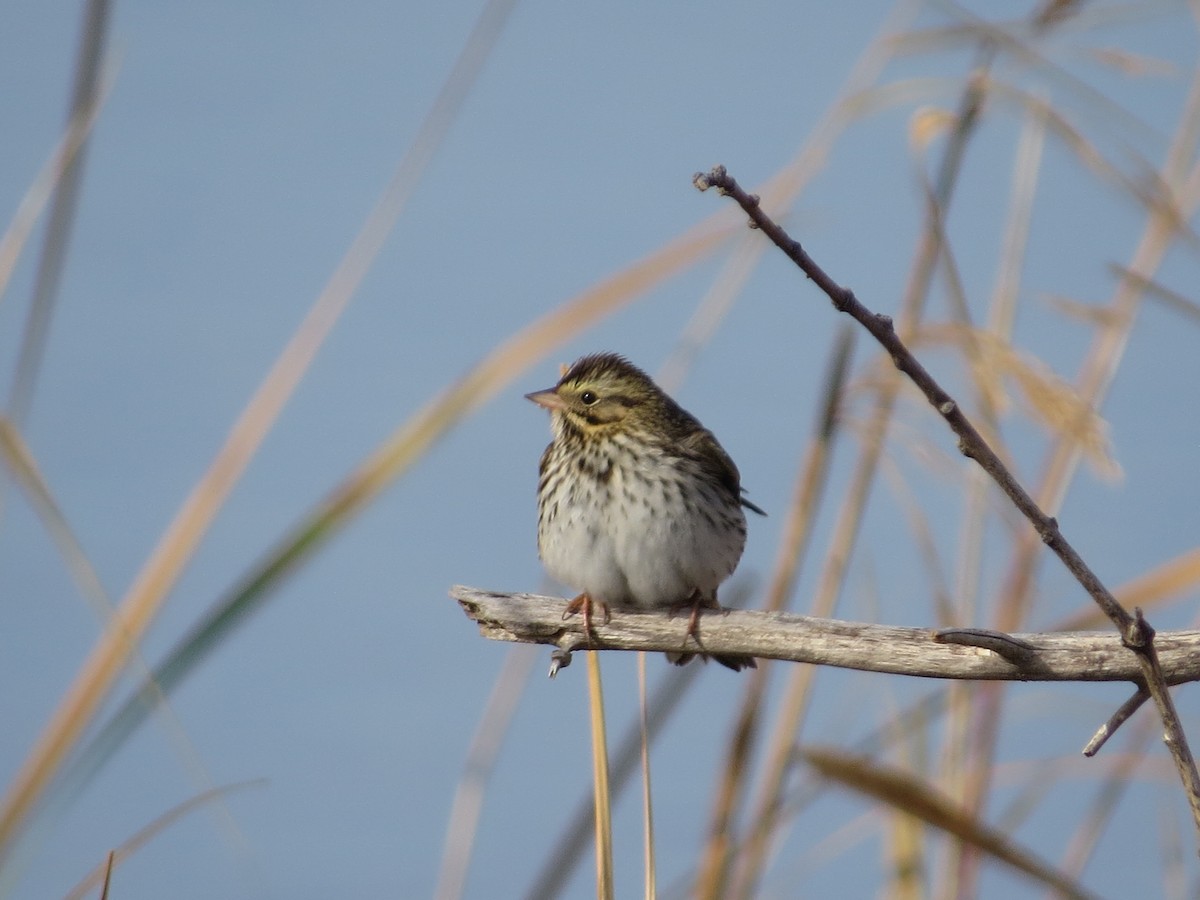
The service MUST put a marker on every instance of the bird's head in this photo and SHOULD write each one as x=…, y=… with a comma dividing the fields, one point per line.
x=601, y=393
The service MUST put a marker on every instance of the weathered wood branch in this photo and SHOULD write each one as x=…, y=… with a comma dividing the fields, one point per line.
x=922, y=652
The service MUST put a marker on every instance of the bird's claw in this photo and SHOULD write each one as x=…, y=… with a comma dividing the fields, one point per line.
x=584, y=604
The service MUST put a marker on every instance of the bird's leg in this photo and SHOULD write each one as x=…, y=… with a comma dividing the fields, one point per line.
x=584, y=604
x=696, y=602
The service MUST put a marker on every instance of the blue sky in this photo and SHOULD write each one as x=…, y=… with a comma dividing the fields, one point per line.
x=238, y=153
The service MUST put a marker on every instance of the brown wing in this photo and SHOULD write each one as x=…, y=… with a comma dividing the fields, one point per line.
x=702, y=445
x=704, y=448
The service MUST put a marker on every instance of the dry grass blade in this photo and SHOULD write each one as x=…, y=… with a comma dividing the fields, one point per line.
x=1080, y=311
x=20, y=461
x=1018, y=46
x=920, y=532
x=810, y=483
x=792, y=709
x=811, y=478
x=1152, y=589
x=108, y=867
x=1135, y=65
x=603, y=804
x=1096, y=375
x=85, y=95
x=1027, y=167
x=175, y=548
x=1051, y=401
x=1148, y=190
x=566, y=853
x=1136, y=634
x=710, y=312
x=1169, y=298
x=477, y=770
x=1119, y=780
x=1175, y=876
x=1094, y=16
x=394, y=456
x=44, y=185
x=155, y=828
x=907, y=847
x=916, y=797
x=647, y=796
x=161, y=570
x=1162, y=225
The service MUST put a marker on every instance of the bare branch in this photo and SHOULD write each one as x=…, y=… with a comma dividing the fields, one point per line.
x=1135, y=631
x=924, y=652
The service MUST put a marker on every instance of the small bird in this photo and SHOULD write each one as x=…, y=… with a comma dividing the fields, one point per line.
x=639, y=507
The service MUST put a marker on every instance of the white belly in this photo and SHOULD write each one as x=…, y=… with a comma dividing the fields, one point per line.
x=647, y=554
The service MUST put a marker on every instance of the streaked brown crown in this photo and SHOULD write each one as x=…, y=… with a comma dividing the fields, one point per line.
x=604, y=391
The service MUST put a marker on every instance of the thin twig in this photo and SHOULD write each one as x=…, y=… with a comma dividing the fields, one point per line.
x=1136, y=634
x=1124, y=711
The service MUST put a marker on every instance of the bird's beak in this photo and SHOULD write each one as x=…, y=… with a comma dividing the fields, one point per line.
x=547, y=399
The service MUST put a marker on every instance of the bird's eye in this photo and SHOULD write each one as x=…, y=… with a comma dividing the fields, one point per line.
x=588, y=398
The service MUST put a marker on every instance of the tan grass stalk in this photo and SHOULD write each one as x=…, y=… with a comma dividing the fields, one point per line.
x=1134, y=632
x=1099, y=369
x=566, y=852
x=1119, y=779
x=47, y=180
x=651, y=891
x=85, y=93
x=101, y=873
x=150, y=589
x=1175, y=871
x=907, y=847
x=489, y=736
x=913, y=796
x=403, y=448
x=1151, y=589
x=108, y=868
x=778, y=194
x=19, y=459
x=716, y=303
x=811, y=479
x=789, y=721
x=1169, y=298
x=603, y=797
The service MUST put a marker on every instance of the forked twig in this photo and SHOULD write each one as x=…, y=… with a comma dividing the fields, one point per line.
x=1136, y=634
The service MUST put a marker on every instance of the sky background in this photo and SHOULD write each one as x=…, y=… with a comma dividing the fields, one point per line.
x=238, y=153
